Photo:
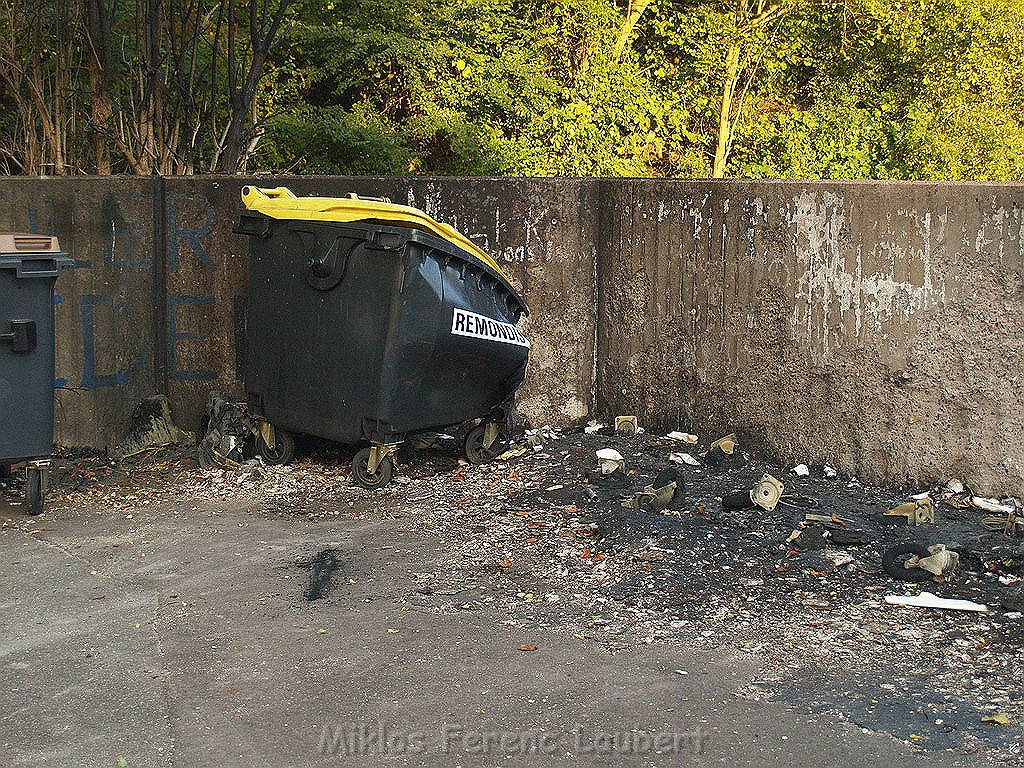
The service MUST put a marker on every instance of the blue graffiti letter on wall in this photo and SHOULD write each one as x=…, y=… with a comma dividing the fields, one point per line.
x=91, y=379
x=174, y=338
x=176, y=233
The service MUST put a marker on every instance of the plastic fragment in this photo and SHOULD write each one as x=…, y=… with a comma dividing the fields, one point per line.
x=929, y=600
x=725, y=444
x=767, y=492
x=610, y=460
x=917, y=512
x=626, y=425
x=991, y=505
x=683, y=458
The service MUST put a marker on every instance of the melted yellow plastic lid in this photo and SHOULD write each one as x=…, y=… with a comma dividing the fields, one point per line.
x=281, y=203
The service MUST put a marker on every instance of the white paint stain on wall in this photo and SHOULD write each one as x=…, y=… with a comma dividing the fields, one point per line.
x=838, y=298
x=1001, y=235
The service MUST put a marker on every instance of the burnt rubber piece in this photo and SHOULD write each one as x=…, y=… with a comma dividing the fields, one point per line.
x=737, y=500
x=894, y=559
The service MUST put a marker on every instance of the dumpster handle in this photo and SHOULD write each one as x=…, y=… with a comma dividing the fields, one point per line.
x=22, y=337
x=252, y=193
x=37, y=265
x=354, y=196
x=51, y=268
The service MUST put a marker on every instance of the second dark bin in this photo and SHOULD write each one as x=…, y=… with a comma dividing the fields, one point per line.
x=371, y=322
x=29, y=266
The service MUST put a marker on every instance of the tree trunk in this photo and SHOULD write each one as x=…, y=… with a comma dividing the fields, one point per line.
x=101, y=110
x=633, y=13
x=732, y=68
x=230, y=156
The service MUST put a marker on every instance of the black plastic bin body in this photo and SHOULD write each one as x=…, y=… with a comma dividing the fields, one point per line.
x=29, y=266
x=366, y=331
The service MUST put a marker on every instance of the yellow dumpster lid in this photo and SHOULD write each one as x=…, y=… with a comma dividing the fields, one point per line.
x=282, y=203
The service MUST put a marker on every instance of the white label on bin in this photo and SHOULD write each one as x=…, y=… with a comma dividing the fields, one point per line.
x=479, y=327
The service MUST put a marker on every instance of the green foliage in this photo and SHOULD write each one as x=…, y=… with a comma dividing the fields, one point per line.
x=898, y=89
x=479, y=87
x=902, y=89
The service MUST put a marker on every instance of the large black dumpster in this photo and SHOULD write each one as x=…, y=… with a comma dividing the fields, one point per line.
x=369, y=321
x=29, y=265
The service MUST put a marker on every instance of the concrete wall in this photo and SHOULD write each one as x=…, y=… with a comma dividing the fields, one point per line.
x=874, y=326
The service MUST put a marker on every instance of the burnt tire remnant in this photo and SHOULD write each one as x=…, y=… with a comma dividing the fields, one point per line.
x=894, y=561
x=323, y=569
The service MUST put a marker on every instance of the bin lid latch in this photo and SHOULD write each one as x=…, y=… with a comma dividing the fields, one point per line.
x=354, y=196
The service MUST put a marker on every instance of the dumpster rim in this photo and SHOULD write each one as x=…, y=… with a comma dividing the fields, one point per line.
x=282, y=203
x=412, y=234
x=16, y=261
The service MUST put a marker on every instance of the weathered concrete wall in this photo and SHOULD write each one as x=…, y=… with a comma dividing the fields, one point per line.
x=876, y=327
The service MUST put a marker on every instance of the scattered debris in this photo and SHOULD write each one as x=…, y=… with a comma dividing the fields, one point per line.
x=767, y=492
x=737, y=500
x=992, y=505
x=1011, y=524
x=538, y=437
x=683, y=458
x=593, y=428
x=684, y=437
x=229, y=428
x=917, y=512
x=998, y=718
x=814, y=517
x=830, y=472
x=513, y=453
x=723, y=453
x=913, y=561
x=802, y=470
x=840, y=559
x=610, y=461
x=727, y=443
x=801, y=583
x=928, y=600
x=658, y=496
x=626, y=425
x=152, y=426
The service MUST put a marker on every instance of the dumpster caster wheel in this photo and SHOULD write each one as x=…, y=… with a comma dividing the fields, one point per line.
x=283, y=450
x=34, y=491
x=475, y=451
x=361, y=471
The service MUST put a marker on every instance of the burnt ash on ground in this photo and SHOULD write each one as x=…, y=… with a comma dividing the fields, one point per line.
x=546, y=544
x=701, y=575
